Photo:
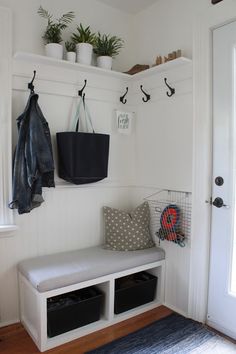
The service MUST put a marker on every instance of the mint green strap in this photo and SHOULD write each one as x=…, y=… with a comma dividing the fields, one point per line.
x=77, y=116
x=88, y=116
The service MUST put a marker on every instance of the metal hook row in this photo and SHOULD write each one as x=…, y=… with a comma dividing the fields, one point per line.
x=122, y=98
x=148, y=96
x=31, y=86
x=145, y=99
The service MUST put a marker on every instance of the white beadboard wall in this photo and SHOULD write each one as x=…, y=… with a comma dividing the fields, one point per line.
x=58, y=97
x=164, y=130
x=159, y=125
x=164, y=135
x=177, y=263
x=71, y=216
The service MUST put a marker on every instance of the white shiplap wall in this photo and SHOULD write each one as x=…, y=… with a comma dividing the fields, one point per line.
x=71, y=216
x=164, y=133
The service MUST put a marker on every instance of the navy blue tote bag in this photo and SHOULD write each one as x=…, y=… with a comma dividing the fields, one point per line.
x=82, y=156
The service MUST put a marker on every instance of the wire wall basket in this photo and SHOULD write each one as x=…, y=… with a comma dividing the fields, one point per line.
x=171, y=216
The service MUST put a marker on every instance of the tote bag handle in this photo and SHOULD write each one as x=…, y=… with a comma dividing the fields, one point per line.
x=87, y=115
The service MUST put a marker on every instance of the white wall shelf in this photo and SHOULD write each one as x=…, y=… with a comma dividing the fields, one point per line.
x=162, y=68
x=40, y=59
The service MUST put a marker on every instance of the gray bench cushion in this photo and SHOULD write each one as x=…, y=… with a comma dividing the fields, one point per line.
x=63, y=269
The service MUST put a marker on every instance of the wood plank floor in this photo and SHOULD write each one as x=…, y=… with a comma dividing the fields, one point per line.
x=15, y=340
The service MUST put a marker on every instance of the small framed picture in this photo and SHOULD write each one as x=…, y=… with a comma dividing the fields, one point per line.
x=124, y=122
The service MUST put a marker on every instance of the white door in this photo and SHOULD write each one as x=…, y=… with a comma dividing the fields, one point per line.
x=222, y=280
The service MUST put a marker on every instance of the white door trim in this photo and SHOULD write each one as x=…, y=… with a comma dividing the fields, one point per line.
x=202, y=154
x=6, y=215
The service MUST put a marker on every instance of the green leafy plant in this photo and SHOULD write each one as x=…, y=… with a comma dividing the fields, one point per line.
x=108, y=45
x=83, y=35
x=53, y=32
x=70, y=46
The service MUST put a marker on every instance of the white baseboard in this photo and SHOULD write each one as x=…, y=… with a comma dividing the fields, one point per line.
x=175, y=309
x=8, y=323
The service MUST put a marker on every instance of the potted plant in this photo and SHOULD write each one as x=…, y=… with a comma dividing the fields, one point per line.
x=70, y=51
x=107, y=47
x=84, y=40
x=53, y=33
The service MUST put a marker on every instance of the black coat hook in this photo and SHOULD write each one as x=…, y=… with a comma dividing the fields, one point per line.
x=30, y=84
x=172, y=90
x=122, y=98
x=147, y=96
x=214, y=2
x=80, y=92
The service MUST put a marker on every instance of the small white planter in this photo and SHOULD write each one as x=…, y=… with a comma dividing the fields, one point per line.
x=54, y=50
x=84, y=53
x=104, y=62
x=71, y=56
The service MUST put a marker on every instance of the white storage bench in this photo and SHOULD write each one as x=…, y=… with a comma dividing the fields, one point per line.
x=48, y=276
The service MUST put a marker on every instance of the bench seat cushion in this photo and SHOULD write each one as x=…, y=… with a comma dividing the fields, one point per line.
x=62, y=269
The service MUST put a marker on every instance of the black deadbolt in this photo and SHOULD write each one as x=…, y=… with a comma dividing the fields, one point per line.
x=218, y=202
x=219, y=181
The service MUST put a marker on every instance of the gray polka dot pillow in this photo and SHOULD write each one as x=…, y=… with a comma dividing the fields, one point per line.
x=127, y=231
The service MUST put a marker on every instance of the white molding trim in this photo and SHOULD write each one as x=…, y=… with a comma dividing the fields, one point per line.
x=202, y=155
x=7, y=230
x=6, y=215
x=64, y=64
x=52, y=80
x=41, y=59
x=9, y=323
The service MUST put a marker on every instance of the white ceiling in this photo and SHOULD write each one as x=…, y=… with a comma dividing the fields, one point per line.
x=129, y=6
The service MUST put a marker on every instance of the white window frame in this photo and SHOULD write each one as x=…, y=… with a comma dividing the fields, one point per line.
x=6, y=215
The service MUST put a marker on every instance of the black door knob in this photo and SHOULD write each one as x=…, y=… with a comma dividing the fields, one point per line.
x=218, y=202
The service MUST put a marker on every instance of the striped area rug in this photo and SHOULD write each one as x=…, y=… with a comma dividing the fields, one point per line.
x=174, y=334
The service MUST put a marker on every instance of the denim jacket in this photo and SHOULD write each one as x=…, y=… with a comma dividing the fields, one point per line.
x=33, y=166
